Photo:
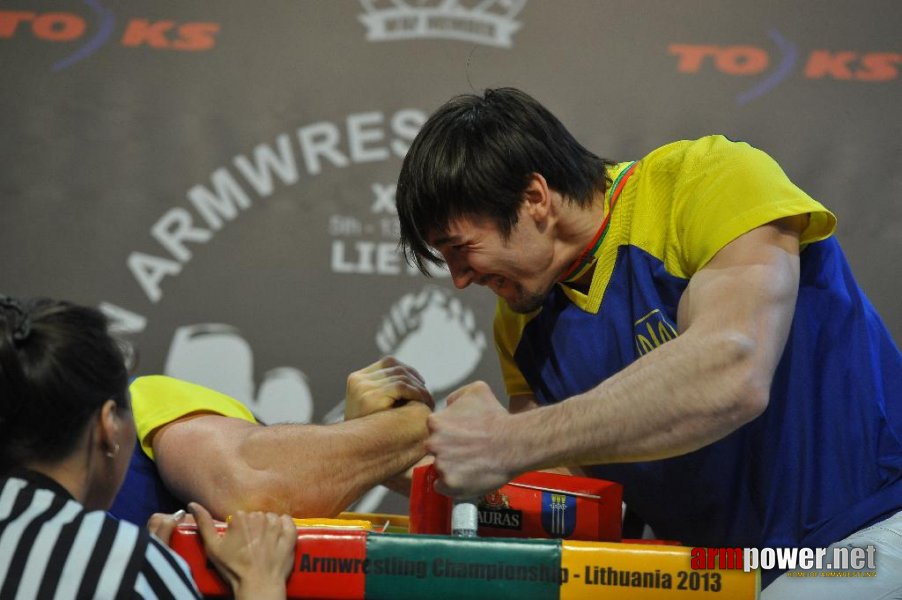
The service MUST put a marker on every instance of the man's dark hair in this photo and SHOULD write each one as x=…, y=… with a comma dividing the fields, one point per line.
x=58, y=365
x=473, y=158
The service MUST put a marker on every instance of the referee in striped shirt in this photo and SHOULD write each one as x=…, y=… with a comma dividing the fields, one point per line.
x=66, y=434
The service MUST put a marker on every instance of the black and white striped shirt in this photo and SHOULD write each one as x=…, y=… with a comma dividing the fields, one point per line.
x=51, y=547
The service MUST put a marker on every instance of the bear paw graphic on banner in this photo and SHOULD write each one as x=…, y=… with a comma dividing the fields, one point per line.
x=433, y=332
x=216, y=356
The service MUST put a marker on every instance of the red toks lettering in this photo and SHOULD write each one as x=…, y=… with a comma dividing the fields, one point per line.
x=143, y=32
x=10, y=19
x=691, y=56
x=58, y=27
x=196, y=36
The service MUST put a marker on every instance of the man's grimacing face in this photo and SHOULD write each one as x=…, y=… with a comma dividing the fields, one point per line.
x=516, y=269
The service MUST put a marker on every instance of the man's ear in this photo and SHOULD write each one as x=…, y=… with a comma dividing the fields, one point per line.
x=537, y=198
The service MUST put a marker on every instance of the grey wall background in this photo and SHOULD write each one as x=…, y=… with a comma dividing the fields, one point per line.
x=239, y=158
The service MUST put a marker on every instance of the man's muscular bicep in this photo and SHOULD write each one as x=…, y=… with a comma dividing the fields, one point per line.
x=197, y=458
x=749, y=290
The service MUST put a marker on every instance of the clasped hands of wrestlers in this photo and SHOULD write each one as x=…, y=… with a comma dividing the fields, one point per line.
x=461, y=436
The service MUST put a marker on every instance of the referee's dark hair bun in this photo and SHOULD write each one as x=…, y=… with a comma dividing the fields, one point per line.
x=15, y=326
x=14, y=315
x=58, y=365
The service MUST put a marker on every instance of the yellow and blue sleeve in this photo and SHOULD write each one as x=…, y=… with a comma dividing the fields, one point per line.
x=730, y=189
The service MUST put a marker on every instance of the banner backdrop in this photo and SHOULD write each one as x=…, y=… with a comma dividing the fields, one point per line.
x=219, y=176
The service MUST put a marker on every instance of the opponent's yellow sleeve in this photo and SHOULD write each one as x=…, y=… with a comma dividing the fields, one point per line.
x=158, y=400
x=732, y=188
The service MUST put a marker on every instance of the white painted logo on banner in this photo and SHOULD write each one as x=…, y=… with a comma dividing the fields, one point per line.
x=368, y=244
x=217, y=356
x=433, y=332
x=235, y=188
x=488, y=22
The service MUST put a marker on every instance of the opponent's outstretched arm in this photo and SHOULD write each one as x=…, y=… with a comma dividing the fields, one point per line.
x=227, y=464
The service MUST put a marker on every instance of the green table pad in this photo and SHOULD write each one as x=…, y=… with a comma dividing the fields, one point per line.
x=442, y=567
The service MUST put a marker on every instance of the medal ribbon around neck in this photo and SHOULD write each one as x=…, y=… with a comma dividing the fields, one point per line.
x=587, y=256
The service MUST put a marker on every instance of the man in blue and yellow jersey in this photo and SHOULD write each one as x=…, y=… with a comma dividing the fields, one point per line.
x=685, y=324
x=196, y=444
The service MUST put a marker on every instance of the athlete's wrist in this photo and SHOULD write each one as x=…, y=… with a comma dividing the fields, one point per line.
x=514, y=451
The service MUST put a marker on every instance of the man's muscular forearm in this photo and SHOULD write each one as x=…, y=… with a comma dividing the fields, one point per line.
x=688, y=395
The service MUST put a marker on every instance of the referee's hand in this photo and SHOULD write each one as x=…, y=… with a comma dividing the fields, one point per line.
x=256, y=553
x=162, y=524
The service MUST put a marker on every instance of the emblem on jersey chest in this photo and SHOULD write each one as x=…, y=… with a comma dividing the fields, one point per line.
x=652, y=330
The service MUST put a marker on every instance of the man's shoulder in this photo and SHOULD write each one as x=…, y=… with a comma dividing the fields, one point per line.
x=685, y=164
x=154, y=394
x=158, y=400
x=707, y=148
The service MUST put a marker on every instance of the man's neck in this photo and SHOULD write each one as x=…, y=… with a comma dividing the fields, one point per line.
x=579, y=228
x=584, y=282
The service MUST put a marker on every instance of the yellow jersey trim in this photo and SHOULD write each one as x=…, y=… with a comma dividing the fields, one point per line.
x=158, y=400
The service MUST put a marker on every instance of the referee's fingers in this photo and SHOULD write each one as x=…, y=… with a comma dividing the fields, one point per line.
x=162, y=525
x=204, y=524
